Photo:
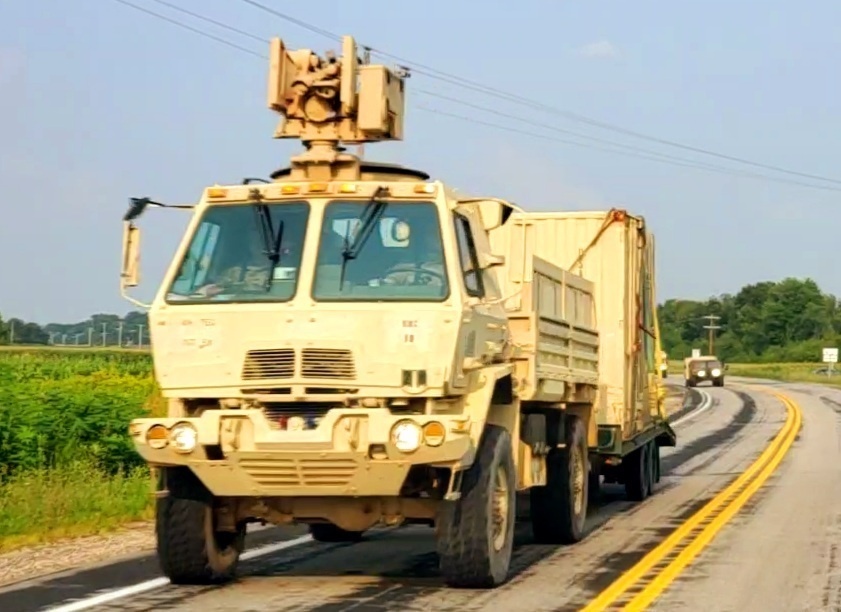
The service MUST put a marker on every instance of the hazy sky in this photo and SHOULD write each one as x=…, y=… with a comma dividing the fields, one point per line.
x=100, y=102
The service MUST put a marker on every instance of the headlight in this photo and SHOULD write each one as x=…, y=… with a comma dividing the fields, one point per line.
x=663, y=366
x=183, y=437
x=406, y=436
x=156, y=437
x=702, y=373
x=716, y=372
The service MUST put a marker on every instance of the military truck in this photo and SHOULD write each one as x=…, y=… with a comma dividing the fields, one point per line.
x=706, y=368
x=353, y=344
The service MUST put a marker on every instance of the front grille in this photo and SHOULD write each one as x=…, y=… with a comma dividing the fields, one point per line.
x=269, y=363
x=279, y=413
x=328, y=363
x=280, y=473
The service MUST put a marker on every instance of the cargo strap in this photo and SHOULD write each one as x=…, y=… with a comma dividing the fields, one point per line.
x=614, y=215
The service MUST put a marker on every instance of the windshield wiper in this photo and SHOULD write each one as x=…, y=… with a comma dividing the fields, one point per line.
x=271, y=238
x=373, y=210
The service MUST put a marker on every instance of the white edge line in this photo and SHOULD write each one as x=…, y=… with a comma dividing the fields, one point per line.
x=705, y=405
x=156, y=583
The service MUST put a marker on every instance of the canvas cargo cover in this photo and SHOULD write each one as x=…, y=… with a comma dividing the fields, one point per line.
x=613, y=250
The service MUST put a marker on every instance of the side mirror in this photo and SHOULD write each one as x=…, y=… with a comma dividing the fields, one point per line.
x=726, y=367
x=130, y=273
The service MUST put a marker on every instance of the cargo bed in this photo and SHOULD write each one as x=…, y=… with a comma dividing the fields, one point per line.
x=614, y=252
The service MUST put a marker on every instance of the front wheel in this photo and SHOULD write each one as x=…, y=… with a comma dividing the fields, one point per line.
x=475, y=534
x=190, y=548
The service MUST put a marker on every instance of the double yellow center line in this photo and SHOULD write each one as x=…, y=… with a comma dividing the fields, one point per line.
x=650, y=577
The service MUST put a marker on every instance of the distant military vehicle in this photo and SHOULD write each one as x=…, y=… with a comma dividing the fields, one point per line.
x=702, y=369
x=353, y=344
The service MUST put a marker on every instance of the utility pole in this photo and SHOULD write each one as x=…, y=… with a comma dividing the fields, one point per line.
x=104, y=333
x=712, y=327
x=90, y=336
x=140, y=336
x=11, y=332
x=120, y=335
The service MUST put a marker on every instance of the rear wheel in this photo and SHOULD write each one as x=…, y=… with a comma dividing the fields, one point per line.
x=475, y=534
x=191, y=550
x=328, y=532
x=650, y=448
x=559, y=510
x=656, y=459
x=636, y=474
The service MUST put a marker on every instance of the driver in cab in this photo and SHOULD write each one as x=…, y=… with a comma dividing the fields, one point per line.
x=252, y=275
x=426, y=265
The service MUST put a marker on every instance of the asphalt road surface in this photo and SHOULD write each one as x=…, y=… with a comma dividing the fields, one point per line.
x=746, y=517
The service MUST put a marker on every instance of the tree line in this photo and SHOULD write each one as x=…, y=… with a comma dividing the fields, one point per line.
x=98, y=330
x=791, y=320
x=786, y=321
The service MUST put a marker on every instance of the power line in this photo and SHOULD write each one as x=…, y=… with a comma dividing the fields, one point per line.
x=209, y=20
x=638, y=152
x=662, y=159
x=479, y=87
x=191, y=28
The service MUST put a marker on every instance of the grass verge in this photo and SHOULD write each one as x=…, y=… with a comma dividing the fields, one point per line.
x=785, y=372
x=40, y=506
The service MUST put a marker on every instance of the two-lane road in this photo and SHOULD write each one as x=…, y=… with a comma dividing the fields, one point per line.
x=777, y=552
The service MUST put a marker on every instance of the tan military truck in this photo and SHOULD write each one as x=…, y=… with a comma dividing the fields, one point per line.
x=353, y=344
x=706, y=368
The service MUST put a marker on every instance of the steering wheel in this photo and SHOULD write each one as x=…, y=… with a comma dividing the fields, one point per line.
x=418, y=271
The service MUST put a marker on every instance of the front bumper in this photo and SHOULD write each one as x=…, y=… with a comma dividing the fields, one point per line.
x=350, y=453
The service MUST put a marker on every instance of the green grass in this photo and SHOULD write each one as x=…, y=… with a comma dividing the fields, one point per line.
x=67, y=465
x=785, y=372
x=38, y=506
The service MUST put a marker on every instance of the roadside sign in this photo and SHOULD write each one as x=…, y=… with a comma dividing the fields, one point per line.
x=697, y=353
x=830, y=355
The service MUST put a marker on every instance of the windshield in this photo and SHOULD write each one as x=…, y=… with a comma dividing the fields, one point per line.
x=232, y=252
x=697, y=366
x=402, y=258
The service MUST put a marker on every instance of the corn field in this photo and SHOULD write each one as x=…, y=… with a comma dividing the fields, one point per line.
x=59, y=407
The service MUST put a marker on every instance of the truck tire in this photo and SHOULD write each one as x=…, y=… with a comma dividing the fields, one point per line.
x=559, y=510
x=718, y=383
x=636, y=474
x=475, y=534
x=190, y=550
x=656, y=458
x=652, y=469
x=328, y=532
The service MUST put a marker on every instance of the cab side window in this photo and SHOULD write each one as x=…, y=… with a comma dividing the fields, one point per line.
x=468, y=258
